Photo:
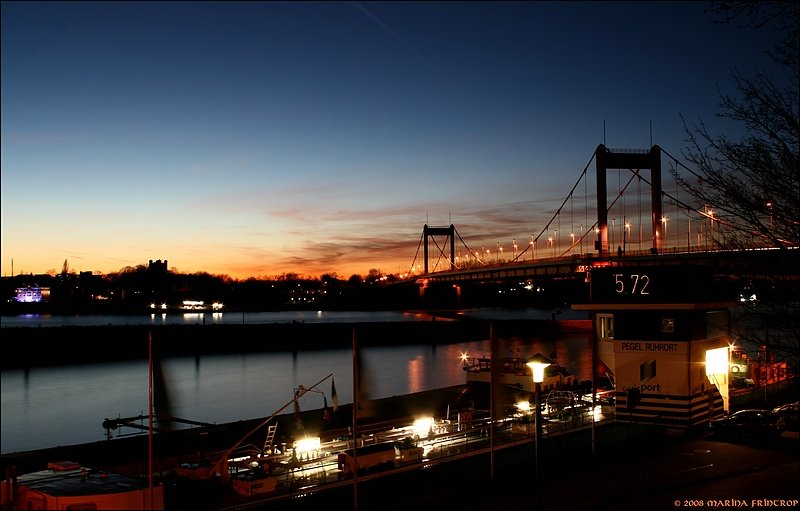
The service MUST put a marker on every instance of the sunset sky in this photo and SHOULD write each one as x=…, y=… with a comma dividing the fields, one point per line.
x=253, y=139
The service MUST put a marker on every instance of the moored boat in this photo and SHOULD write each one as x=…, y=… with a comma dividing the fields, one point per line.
x=514, y=372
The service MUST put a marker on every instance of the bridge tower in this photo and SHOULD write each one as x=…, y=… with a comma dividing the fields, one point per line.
x=447, y=231
x=606, y=159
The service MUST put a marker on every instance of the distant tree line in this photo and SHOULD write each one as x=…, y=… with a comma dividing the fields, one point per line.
x=135, y=289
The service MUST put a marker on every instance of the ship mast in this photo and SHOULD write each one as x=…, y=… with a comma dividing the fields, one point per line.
x=150, y=419
x=218, y=465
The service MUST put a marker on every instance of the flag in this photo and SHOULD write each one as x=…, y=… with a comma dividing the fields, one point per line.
x=334, y=397
x=326, y=413
x=365, y=406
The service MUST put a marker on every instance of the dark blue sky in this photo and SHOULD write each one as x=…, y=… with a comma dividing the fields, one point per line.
x=258, y=138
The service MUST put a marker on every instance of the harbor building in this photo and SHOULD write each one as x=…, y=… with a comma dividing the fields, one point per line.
x=662, y=333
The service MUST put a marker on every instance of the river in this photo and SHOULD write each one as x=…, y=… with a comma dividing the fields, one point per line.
x=62, y=405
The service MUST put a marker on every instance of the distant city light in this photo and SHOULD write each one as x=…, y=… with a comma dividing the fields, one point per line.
x=32, y=294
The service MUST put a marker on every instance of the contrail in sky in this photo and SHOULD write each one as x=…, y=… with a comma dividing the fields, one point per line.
x=394, y=35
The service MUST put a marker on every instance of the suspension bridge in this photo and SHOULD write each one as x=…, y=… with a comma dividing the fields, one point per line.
x=621, y=211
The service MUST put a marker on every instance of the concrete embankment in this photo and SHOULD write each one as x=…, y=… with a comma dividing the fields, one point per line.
x=33, y=347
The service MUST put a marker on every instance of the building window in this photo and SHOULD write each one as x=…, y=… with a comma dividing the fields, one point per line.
x=667, y=326
x=605, y=325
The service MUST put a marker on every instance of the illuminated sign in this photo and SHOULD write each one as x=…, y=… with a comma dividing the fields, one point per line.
x=657, y=367
x=652, y=347
x=656, y=284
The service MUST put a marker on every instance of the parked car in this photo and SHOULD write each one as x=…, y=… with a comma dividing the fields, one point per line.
x=749, y=423
x=740, y=382
x=790, y=413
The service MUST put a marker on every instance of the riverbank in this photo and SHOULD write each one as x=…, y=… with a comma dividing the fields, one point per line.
x=36, y=347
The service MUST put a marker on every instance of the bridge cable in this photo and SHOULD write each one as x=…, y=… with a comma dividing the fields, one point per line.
x=688, y=206
x=582, y=176
x=472, y=252
x=442, y=253
x=619, y=195
x=419, y=245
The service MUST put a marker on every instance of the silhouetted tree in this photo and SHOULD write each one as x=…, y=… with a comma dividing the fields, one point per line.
x=754, y=183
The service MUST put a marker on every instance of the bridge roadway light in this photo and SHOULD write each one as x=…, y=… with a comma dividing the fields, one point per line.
x=626, y=237
x=538, y=363
x=613, y=228
x=769, y=208
x=711, y=218
x=664, y=220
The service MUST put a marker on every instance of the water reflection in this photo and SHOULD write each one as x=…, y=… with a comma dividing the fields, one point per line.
x=44, y=407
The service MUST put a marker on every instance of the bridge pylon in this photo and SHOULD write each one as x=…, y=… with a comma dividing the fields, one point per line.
x=607, y=159
x=447, y=231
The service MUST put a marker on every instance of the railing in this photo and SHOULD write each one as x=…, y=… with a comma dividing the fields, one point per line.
x=611, y=257
x=447, y=441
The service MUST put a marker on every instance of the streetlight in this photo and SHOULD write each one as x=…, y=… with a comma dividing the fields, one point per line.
x=613, y=227
x=538, y=363
x=664, y=223
x=626, y=237
x=769, y=208
x=710, y=233
x=572, y=245
x=555, y=247
x=598, y=241
x=533, y=248
x=550, y=242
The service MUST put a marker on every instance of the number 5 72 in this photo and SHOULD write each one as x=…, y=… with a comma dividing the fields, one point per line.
x=637, y=284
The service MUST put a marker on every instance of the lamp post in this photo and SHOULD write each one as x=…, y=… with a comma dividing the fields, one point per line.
x=613, y=228
x=625, y=237
x=538, y=363
x=555, y=246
